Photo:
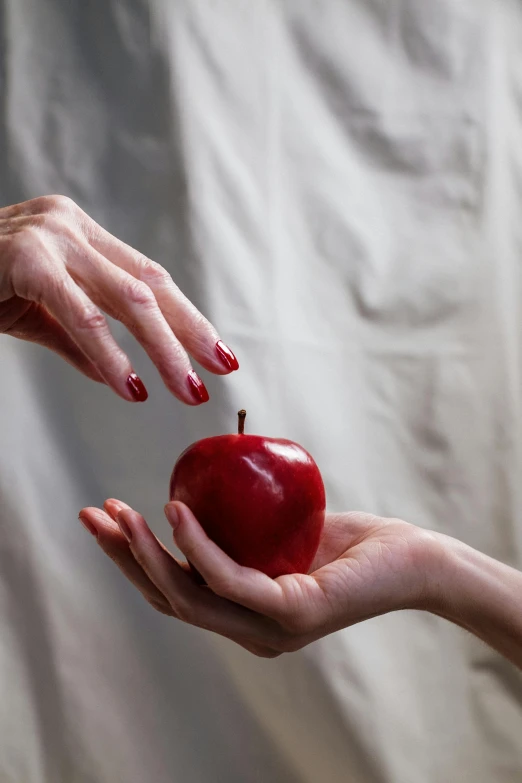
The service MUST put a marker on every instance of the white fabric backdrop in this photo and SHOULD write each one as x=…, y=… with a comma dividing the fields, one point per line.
x=337, y=184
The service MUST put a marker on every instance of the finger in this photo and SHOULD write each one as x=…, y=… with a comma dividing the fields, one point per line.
x=192, y=329
x=115, y=545
x=38, y=326
x=194, y=604
x=133, y=303
x=257, y=649
x=23, y=208
x=88, y=328
x=58, y=213
x=113, y=507
x=224, y=576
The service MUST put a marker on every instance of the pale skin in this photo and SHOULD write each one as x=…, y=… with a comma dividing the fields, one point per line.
x=59, y=273
x=365, y=566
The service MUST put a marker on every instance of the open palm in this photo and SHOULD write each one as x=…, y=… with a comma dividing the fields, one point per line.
x=365, y=566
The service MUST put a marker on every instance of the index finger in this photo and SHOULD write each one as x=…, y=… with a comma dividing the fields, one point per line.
x=192, y=329
x=192, y=603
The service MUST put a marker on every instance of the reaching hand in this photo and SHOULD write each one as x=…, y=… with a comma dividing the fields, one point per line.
x=365, y=566
x=58, y=271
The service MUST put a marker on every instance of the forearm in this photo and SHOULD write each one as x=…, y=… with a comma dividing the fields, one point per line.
x=481, y=595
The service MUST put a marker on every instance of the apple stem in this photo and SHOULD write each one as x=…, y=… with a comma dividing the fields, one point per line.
x=241, y=416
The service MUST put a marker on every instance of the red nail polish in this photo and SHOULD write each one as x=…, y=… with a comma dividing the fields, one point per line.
x=226, y=356
x=88, y=525
x=137, y=387
x=197, y=387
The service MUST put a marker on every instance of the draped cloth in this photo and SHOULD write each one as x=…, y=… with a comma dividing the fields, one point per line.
x=337, y=185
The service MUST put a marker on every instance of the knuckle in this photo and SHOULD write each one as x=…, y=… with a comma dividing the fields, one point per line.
x=53, y=222
x=60, y=286
x=29, y=257
x=31, y=230
x=31, y=246
x=153, y=273
x=28, y=241
x=91, y=320
x=36, y=273
x=137, y=293
x=58, y=203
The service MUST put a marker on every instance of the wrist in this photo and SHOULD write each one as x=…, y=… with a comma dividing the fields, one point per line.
x=473, y=591
x=458, y=578
x=443, y=594
x=454, y=575
x=435, y=565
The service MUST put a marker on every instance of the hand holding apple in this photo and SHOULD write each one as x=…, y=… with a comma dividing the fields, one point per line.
x=248, y=513
x=365, y=566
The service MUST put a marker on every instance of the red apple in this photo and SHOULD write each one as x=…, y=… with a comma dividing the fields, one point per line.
x=260, y=499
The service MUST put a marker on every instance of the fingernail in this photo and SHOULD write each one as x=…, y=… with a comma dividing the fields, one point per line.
x=197, y=387
x=172, y=515
x=137, y=387
x=226, y=356
x=88, y=525
x=125, y=529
